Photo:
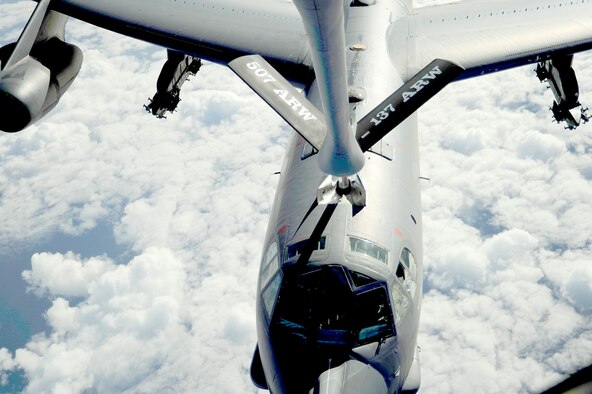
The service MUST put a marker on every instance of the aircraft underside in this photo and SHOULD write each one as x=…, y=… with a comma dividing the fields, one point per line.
x=340, y=286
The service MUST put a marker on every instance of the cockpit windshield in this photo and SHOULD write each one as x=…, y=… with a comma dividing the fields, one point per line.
x=330, y=305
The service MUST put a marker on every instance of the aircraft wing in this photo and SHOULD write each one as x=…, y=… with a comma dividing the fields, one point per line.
x=488, y=36
x=214, y=30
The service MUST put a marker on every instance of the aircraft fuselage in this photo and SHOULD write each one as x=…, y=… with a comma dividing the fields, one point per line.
x=368, y=244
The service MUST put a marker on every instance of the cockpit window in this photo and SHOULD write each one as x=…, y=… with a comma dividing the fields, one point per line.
x=270, y=293
x=297, y=248
x=400, y=301
x=407, y=271
x=361, y=279
x=373, y=312
x=368, y=248
x=321, y=307
x=269, y=264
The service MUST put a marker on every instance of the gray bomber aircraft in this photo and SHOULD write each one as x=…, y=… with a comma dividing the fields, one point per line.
x=340, y=286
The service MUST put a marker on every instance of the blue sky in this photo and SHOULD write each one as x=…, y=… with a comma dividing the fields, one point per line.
x=141, y=278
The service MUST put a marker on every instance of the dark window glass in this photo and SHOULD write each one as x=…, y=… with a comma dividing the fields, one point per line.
x=270, y=293
x=368, y=248
x=320, y=306
x=270, y=264
x=297, y=248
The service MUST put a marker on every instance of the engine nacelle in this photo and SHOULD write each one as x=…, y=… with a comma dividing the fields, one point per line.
x=32, y=87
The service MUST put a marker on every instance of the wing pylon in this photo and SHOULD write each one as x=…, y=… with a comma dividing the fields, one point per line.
x=29, y=35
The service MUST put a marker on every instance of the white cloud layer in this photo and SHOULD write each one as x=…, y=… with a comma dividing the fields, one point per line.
x=507, y=218
x=126, y=310
x=507, y=237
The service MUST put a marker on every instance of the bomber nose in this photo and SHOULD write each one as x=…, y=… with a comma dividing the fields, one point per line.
x=351, y=377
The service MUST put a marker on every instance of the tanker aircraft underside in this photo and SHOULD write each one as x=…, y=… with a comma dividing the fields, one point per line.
x=340, y=285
